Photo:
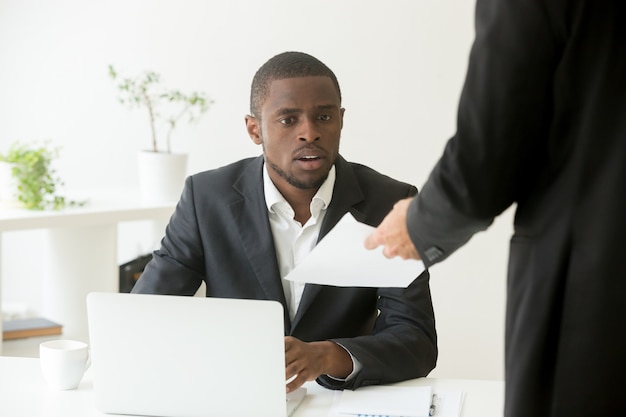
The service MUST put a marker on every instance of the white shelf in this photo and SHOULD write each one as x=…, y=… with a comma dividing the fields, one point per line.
x=95, y=212
x=80, y=251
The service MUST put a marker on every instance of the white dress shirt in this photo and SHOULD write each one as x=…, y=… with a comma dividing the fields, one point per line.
x=293, y=241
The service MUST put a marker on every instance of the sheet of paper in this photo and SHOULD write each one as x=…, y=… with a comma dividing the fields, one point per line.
x=443, y=403
x=340, y=259
x=385, y=400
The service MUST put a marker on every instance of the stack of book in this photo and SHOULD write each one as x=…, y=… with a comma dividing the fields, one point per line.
x=21, y=328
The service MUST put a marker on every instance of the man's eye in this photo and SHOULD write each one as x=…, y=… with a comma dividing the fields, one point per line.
x=324, y=117
x=287, y=120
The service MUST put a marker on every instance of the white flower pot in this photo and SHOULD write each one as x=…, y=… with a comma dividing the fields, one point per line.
x=8, y=186
x=161, y=176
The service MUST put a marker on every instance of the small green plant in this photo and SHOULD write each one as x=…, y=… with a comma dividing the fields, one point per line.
x=145, y=90
x=37, y=181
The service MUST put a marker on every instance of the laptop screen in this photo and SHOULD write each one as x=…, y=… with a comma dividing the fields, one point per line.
x=175, y=356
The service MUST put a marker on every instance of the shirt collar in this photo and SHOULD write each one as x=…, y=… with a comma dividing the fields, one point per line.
x=321, y=199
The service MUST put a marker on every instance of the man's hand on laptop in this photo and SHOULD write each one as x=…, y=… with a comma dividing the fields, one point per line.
x=306, y=361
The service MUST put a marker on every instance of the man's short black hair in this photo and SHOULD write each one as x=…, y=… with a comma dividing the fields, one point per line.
x=286, y=65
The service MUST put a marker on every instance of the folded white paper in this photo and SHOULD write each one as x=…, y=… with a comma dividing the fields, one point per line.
x=341, y=259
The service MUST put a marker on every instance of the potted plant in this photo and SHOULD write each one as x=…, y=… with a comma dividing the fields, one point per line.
x=28, y=180
x=161, y=172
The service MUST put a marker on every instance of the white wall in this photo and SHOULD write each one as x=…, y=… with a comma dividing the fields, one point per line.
x=400, y=64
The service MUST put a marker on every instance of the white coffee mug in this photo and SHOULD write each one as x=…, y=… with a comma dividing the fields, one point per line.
x=63, y=362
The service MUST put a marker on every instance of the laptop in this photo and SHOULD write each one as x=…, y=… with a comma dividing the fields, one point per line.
x=176, y=356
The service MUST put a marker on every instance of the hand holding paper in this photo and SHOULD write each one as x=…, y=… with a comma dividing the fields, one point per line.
x=341, y=259
x=393, y=234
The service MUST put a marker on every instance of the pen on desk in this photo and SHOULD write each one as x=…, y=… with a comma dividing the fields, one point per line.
x=433, y=407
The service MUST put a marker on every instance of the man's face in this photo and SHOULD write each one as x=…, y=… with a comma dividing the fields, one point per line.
x=299, y=127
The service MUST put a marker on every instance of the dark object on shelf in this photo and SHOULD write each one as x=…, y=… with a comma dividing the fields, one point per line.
x=21, y=328
x=131, y=271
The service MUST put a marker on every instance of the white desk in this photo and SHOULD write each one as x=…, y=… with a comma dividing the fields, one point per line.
x=23, y=393
x=80, y=252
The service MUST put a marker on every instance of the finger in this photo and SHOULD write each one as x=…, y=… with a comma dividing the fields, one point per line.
x=296, y=383
x=289, y=342
x=389, y=252
x=291, y=378
x=294, y=375
x=292, y=369
x=293, y=350
x=374, y=240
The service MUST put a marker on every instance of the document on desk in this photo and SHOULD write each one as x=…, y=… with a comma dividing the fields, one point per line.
x=385, y=400
x=393, y=401
x=340, y=259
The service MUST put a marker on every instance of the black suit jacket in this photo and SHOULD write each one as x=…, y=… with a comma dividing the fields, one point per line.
x=542, y=124
x=220, y=234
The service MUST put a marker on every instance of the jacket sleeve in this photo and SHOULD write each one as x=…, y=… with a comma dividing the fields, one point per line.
x=403, y=342
x=503, y=127
x=175, y=268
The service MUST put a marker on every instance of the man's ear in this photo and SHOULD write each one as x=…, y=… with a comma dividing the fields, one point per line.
x=254, y=129
x=341, y=112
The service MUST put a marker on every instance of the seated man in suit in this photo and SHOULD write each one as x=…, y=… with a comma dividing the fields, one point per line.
x=243, y=227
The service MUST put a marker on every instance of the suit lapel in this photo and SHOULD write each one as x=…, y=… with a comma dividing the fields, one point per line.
x=251, y=217
x=346, y=194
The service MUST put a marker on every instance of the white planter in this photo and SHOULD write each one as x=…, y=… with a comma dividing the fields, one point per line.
x=8, y=186
x=161, y=176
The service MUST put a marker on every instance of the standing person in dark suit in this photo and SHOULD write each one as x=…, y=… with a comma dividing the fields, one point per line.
x=541, y=124
x=243, y=227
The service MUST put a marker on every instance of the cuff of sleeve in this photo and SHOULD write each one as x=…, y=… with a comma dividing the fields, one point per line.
x=429, y=254
x=356, y=367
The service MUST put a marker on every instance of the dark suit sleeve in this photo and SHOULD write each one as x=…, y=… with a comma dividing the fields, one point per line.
x=403, y=342
x=503, y=123
x=176, y=267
